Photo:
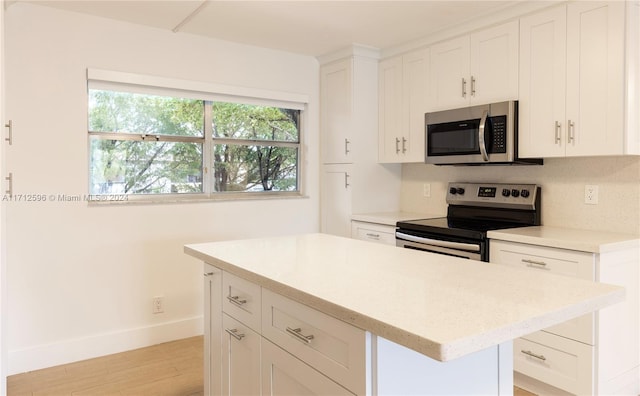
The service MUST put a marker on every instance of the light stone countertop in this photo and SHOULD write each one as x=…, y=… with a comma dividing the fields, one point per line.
x=567, y=238
x=441, y=306
x=391, y=218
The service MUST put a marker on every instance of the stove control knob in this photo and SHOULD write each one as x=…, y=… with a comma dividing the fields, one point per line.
x=453, y=191
x=515, y=193
x=506, y=192
x=460, y=190
x=524, y=193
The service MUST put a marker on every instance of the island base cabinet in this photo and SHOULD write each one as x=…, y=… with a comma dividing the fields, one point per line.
x=283, y=374
x=403, y=371
x=240, y=358
x=212, y=329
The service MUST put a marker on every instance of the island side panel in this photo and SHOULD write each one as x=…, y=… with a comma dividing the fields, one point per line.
x=403, y=371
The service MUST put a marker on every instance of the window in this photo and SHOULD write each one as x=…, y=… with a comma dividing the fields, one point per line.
x=144, y=144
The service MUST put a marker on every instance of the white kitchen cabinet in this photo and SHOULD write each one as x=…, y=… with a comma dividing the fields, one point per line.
x=592, y=354
x=283, y=374
x=336, y=111
x=378, y=233
x=403, y=93
x=336, y=199
x=212, y=329
x=475, y=69
x=240, y=358
x=572, y=81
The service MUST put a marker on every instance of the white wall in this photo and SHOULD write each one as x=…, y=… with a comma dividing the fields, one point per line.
x=80, y=278
x=562, y=180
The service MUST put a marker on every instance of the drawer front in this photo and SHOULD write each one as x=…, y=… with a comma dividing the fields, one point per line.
x=331, y=346
x=556, y=261
x=373, y=232
x=557, y=361
x=241, y=300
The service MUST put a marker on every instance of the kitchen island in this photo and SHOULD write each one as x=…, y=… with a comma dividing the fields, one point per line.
x=337, y=315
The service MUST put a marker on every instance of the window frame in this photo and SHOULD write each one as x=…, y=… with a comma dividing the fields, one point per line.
x=208, y=93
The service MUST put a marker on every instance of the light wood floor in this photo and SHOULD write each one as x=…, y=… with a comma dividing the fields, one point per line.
x=169, y=369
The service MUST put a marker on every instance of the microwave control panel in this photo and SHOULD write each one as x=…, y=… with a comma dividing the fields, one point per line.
x=498, y=134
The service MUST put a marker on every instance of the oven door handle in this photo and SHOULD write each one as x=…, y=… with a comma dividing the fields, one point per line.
x=437, y=242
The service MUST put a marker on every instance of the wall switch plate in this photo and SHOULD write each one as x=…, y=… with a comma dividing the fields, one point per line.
x=158, y=305
x=426, y=190
x=591, y=194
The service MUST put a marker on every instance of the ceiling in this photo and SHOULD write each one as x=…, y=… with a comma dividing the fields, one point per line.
x=306, y=27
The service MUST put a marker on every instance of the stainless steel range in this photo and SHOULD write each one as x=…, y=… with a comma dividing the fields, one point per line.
x=473, y=209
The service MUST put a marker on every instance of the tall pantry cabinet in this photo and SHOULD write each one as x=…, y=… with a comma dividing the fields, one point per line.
x=352, y=180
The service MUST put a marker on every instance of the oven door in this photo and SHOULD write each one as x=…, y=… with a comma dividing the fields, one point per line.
x=463, y=249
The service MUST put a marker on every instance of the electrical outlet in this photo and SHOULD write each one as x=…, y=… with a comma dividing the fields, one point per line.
x=158, y=305
x=591, y=194
x=426, y=190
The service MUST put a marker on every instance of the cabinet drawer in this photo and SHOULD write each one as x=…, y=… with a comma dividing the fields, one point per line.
x=557, y=361
x=556, y=261
x=241, y=300
x=331, y=346
x=373, y=232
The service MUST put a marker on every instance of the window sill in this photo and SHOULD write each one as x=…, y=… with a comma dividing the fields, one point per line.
x=189, y=198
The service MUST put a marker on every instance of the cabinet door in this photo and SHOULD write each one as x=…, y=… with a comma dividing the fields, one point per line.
x=336, y=81
x=283, y=374
x=543, y=48
x=494, y=64
x=212, y=329
x=415, y=88
x=389, y=109
x=595, y=78
x=240, y=359
x=450, y=85
x=336, y=200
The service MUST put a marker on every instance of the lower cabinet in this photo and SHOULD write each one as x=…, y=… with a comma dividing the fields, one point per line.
x=212, y=329
x=594, y=354
x=371, y=232
x=283, y=374
x=240, y=358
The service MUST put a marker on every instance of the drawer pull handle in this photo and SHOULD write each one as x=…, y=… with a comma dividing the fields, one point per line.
x=375, y=236
x=209, y=273
x=534, y=264
x=234, y=333
x=529, y=353
x=236, y=300
x=297, y=333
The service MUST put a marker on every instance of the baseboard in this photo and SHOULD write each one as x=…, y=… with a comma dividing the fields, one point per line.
x=49, y=355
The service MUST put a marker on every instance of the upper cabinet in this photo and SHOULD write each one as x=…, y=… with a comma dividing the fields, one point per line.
x=336, y=87
x=478, y=68
x=403, y=89
x=572, y=81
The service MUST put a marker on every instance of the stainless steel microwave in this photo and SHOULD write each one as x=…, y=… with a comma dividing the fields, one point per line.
x=476, y=135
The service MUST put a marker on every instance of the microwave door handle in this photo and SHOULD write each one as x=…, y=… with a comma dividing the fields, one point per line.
x=481, y=142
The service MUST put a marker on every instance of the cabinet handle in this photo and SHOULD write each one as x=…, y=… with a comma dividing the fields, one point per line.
x=397, y=146
x=558, y=132
x=570, y=136
x=9, y=138
x=404, y=145
x=236, y=300
x=10, y=180
x=374, y=236
x=234, y=333
x=464, y=88
x=346, y=180
x=346, y=146
x=473, y=86
x=529, y=353
x=535, y=264
x=297, y=334
x=209, y=273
